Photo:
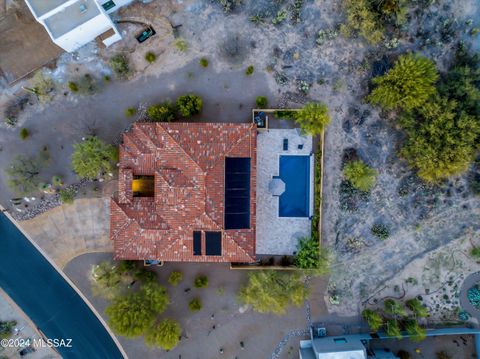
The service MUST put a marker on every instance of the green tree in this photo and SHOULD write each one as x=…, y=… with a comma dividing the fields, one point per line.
x=394, y=307
x=164, y=334
x=311, y=255
x=195, y=305
x=175, y=278
x=203, y=62
x=201, y=281
x=150, y=57
x=312, y=118
x=441, y=142
x=189, y=105
x=155, y=296
x=67, y=195
x=105, y=280
x=130, y=315
x=408, y=85
x=373, y=319
x=416, y=333
x=24, y=133
x=162, y=112
x=475, y=252
x=261, y=101
x=393, y=329
x=416, y=306
x=362, y=20
x=360, y=175
x=24, y=172
x=92, y=158
x=6, y=328
x=273, y=292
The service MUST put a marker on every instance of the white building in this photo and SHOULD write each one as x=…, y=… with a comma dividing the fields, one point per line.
x=74, y=23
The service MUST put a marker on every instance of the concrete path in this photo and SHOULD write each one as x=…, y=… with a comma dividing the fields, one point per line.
x=70, y=230
x=468, y=283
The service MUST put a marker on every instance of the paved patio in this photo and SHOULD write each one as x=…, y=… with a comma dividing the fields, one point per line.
x=278, y=235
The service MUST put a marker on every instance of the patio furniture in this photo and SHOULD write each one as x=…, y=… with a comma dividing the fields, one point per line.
x=276, y=186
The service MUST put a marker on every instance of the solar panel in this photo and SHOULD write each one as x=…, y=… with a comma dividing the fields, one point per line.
x=197, y=243
x=237, y=193
x=213, y=243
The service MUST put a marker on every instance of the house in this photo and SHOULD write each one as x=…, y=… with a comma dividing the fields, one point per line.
x=186, y=192
x=73, y=23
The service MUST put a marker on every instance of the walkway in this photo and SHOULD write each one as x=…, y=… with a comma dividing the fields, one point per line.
x=468, y=283
x=70, y=230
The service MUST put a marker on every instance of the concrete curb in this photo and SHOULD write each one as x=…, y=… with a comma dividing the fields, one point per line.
x=92, y=308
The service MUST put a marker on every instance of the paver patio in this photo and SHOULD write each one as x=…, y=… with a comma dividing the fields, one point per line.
x=278, y=235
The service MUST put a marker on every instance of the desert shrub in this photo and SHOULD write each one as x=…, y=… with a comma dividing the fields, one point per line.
x=129, y=112
x=6, y=328
x=150, y=57
x=72, y=86
x=311, y=255
x=402, y=354
x=162, y=112
x=92, y=158
x=408, y=85
x=67, y=196
x=175, y=278
x=475, y=252
x=120, y=65
x=280, y=17
x=195, y=305
x=261, y=101
x=285, y=114
x=373, y=319
x=43, y=87
x=181, y=45
x=24, y=134
x=380, y=231
x=325, y=35
x=250, y=70
x=107, y=78
x=360, y=175
x=441, y=141
x=443, y=355
x=201, y=281
x=164, y=334
x=273, y=291
x=57, y=181
x=312, y=118
x=189, y=105
x=361, y=20
x=203, y=62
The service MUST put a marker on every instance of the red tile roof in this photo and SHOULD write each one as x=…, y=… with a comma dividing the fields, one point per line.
x=188, y=162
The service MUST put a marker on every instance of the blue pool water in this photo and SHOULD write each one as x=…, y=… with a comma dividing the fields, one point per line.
x=50, y=302
x=295, y=172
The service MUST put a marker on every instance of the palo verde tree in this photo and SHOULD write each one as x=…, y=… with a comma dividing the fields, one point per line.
x=273, y=292
x=24, y=171
x=441, y=141
x=313, y=118
x=164, y=334
x=93, y=158
x=408, y=85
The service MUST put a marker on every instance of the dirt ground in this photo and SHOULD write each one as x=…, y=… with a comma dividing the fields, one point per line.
x=220, y=323
x=24, y=44
x=290, y=69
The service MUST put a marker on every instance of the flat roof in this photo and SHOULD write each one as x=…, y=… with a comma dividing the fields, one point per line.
x=41, y=7
x=71, y=17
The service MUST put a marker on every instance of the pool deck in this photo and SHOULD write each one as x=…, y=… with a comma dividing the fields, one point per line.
x=278, y=235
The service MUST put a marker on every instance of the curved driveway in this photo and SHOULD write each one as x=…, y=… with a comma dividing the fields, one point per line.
x=468, y=283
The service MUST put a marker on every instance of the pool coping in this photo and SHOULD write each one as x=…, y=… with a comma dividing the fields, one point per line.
x=68, y=280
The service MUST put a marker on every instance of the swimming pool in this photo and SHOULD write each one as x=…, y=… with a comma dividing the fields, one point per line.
x=295, y=172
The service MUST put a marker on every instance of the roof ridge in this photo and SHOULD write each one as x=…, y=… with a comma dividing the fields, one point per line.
x=180, y=147
x=238, y=245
